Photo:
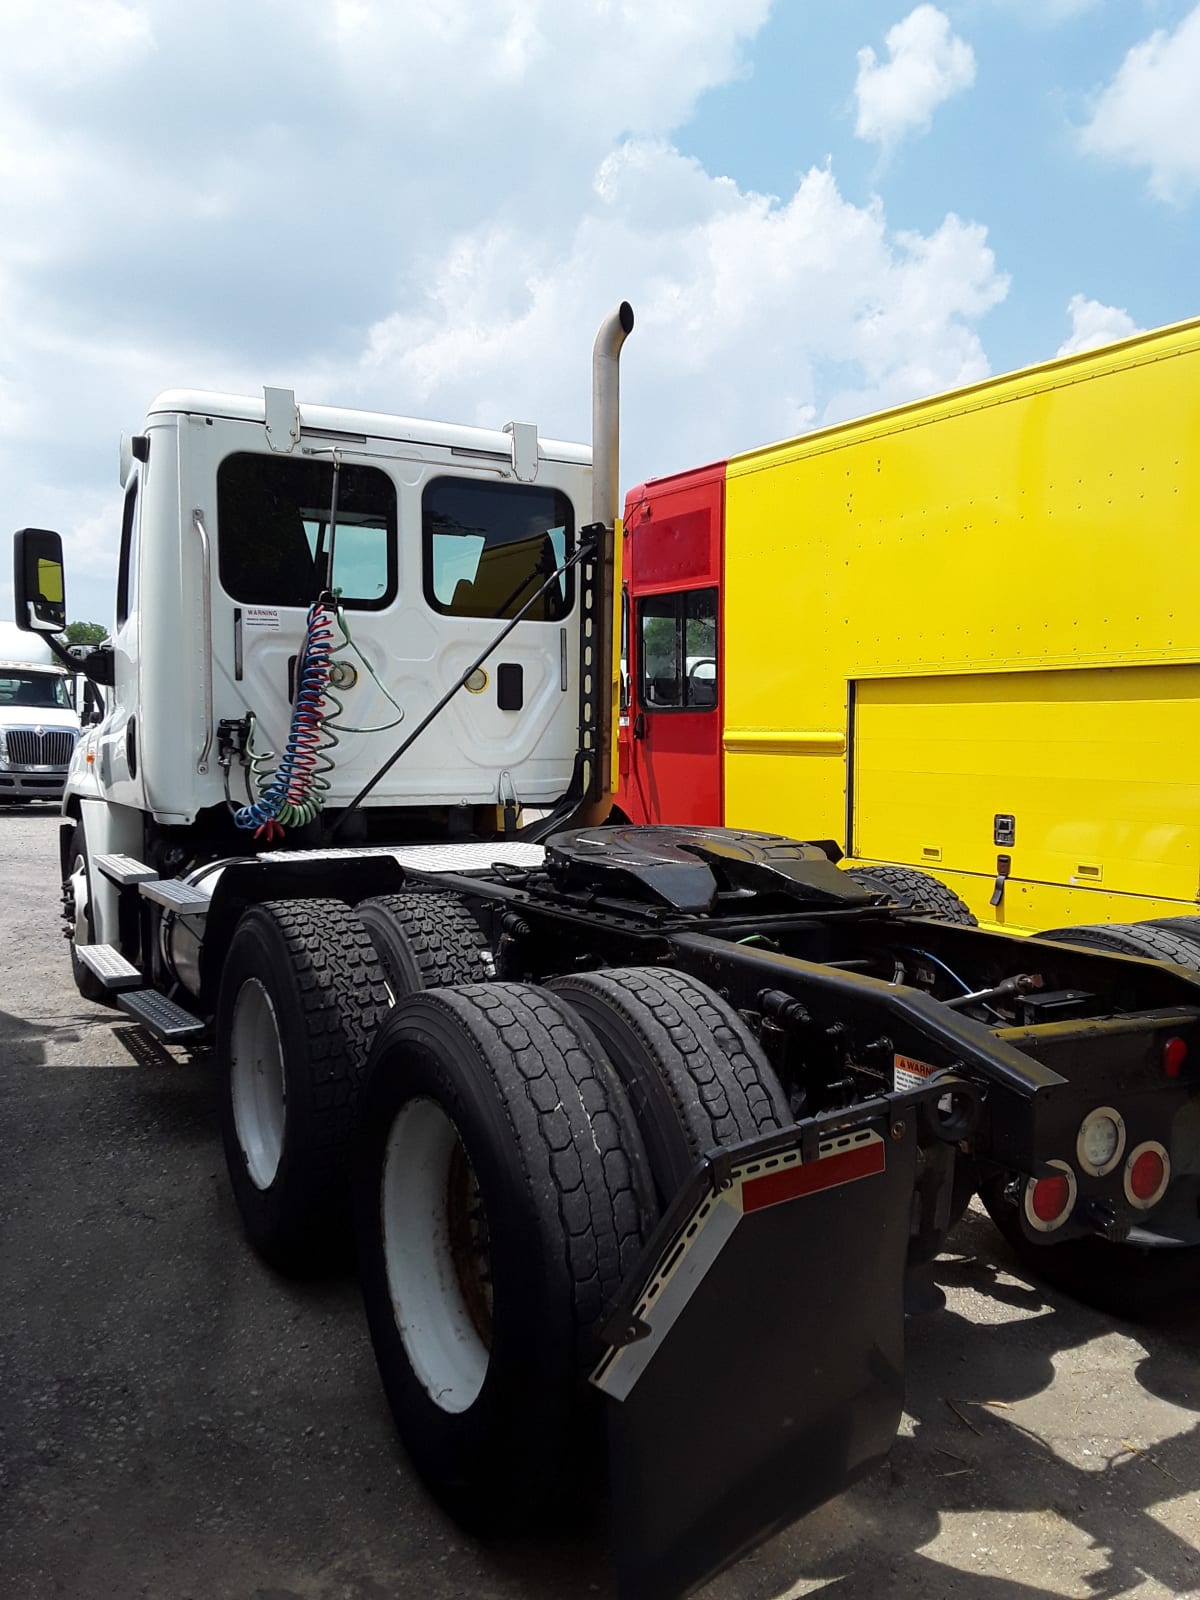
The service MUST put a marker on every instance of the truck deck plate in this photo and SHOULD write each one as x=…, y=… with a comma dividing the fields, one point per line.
x=431, y=857
x=162, y=1017
x=177, y=895
x=124, y=871
x=107, y=963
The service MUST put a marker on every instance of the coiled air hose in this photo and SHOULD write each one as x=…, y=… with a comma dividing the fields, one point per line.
x=294, y=793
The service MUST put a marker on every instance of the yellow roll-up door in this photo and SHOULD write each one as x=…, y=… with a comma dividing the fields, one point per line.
x=1098, y=770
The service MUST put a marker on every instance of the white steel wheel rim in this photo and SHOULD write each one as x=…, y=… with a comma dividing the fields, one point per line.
x=445, y=1348
x=256, y=1082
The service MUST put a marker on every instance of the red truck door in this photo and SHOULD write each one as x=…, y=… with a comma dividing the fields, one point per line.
x=671, y=722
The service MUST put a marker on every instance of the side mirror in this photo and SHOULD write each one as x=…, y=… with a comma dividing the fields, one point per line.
x=39, y=595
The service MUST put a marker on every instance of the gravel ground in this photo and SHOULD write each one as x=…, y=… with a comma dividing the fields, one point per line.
x=178, y=1423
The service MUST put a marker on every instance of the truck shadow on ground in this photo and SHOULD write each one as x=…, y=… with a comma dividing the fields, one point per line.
x=26, y=1042
x=984, y=1496
x=1021, y=1500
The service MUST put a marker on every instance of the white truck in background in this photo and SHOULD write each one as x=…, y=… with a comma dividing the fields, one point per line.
x=39, y=726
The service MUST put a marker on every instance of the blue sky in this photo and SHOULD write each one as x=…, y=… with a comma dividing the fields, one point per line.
x=817, y=207
x=1004, y=152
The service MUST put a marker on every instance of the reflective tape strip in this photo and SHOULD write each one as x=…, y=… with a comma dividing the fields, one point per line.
x=843, y=1158
x=845, y=1166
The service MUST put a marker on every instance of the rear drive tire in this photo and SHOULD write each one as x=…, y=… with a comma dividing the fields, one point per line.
x=1149, y=940
x=916, y=891
x=1186, y=927
x=1127, y=1280
x=78, y=883
x=301, y=993
x=694, y=1073
x=425, y=941
x=499, y=1203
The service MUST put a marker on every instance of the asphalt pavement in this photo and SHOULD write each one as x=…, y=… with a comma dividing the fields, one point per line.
x=179, y=1423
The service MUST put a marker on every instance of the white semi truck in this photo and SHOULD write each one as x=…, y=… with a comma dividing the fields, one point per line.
x=652, y=1123
x=39, y=726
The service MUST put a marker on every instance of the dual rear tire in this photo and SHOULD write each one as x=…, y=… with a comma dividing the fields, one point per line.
x=516, y=1146
x=503, y=1152
x=301, y=994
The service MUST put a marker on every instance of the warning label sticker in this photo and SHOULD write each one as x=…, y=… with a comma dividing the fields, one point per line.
x=261, y=617
x=909, y=1073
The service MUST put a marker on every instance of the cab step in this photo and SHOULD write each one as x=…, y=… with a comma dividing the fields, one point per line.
x=124, y=871
x=105, y=962
x=160, y=1016
x=177, y=895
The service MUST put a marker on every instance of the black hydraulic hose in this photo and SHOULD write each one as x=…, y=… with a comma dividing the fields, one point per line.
x=587, y=546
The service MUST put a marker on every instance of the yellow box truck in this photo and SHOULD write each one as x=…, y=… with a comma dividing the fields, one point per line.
x=959, y=636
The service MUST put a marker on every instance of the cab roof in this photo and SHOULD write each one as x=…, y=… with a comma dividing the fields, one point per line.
x=342, y=421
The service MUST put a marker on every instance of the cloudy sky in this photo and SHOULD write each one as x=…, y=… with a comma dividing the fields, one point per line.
x=817, y=208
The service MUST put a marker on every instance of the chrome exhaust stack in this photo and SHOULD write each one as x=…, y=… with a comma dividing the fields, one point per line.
x=597, y=666
x=606, y=414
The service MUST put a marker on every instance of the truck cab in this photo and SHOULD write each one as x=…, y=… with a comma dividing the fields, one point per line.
x=427, y=540
x=39, y=727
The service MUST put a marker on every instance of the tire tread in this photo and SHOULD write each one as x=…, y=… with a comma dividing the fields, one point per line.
x=918, y=890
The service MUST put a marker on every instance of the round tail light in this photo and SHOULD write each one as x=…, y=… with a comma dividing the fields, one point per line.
x=1147, y=1174
x=1049, y=1201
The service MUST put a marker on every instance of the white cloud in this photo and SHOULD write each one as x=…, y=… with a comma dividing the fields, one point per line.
x=749, y=311
x=72, y=42
x=927, y=64
x=427, y=209
x=1149, y=115
x=1094, y=324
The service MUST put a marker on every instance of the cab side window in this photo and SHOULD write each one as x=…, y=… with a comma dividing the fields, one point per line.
x=677, y=651
x=274, y=535
x=489, y=548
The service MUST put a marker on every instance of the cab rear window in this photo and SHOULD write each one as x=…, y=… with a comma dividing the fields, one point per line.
x=489, y=547
x=273, y=531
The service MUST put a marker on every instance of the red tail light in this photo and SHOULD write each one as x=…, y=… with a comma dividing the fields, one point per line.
x=1050, y=1198
x=1147, y=1173
x=1174, y=1055
x=1049, y=1201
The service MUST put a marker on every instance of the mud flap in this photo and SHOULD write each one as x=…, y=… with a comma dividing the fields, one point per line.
x=757, y=1368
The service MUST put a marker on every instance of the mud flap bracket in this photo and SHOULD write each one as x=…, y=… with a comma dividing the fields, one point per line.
x=757, y=1368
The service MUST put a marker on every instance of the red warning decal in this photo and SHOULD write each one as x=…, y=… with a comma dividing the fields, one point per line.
x=909, y=1073
x=789, y=1183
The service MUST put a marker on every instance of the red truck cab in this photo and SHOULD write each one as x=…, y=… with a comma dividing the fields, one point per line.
x=672, y=674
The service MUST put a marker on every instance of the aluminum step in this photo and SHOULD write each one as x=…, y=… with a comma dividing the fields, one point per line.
x=107, y=963
x=160, y=1016
x=124, y=871
x=177, y=895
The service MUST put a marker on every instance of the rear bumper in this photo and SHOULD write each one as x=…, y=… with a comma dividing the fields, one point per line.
x=32, y=783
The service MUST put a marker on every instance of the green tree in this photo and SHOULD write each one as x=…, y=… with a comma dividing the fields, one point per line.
x=85, y=633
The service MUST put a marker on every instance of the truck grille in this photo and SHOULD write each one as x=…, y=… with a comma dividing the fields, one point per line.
x=28, y=748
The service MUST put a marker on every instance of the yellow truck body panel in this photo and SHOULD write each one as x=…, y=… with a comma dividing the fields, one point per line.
x=979, y=611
